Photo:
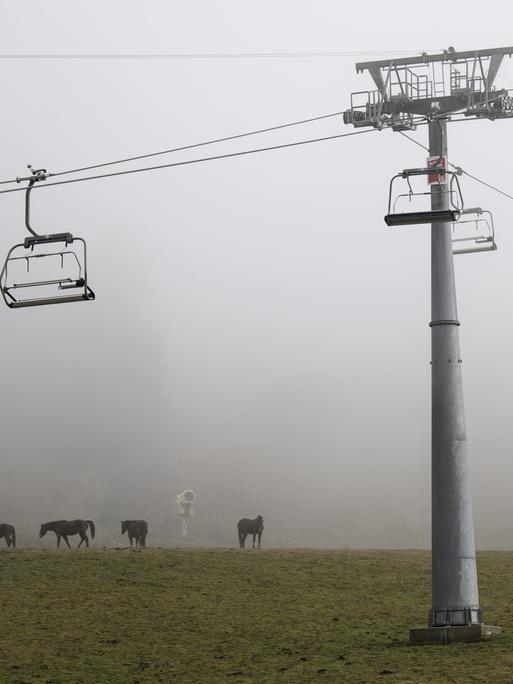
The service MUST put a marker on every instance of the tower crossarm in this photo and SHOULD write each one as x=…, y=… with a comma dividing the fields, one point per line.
x=431, y=85
x=449, y=55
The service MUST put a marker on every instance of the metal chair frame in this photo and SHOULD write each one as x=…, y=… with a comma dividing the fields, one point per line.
x=482, y=240
x=80, y=284
x=434, y=215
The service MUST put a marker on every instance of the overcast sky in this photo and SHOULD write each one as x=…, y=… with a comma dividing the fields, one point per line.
x=258, y=335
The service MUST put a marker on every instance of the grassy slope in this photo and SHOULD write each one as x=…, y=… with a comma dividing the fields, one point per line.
x=201, y=616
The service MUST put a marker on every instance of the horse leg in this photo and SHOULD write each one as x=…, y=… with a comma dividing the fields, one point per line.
x=259, y=538
x=65, y=537
x=254, y=535
x=58, y=540
x=8, y=542
x=131, y=540
x=86, y=539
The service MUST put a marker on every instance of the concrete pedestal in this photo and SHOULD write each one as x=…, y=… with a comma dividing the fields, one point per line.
x=451, y=634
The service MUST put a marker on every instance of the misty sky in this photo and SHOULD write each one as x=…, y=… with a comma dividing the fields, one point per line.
x=259, y=335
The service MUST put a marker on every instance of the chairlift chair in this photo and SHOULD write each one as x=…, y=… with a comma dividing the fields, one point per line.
x=449, y=215
x=480, y=239
x=34, y=275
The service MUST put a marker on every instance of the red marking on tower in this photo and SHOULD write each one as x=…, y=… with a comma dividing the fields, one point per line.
x=437, y=178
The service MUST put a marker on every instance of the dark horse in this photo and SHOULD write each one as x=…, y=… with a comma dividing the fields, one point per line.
x=254, y=527
x=137, y=529
x=8, y=533
x=63, y=528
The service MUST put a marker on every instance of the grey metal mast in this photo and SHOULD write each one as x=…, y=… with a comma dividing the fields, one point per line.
x=434, y=88
x=455, y=599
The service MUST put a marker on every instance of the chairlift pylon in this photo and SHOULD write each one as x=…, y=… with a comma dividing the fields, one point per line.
x=481, y=238
x=449, y=215
x=34, y=276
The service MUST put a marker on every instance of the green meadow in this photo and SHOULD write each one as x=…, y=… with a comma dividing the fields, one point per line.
x=225, y=615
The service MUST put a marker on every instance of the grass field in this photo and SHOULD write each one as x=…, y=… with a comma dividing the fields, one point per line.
x=201, y=616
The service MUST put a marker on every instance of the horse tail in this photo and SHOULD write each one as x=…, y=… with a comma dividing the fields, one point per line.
x=91, y=525
x=13, y=537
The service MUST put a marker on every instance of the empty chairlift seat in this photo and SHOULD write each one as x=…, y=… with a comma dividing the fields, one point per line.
x=420, y=214
x=474, y=232
x=45, y=269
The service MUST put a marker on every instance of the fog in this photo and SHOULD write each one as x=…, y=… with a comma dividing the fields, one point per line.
x=259, y=335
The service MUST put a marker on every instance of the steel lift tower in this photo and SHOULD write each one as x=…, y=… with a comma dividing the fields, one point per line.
x=412, y=91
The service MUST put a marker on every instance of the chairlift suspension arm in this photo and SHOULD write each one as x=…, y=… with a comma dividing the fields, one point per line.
x=27, y=206
x=37, y=175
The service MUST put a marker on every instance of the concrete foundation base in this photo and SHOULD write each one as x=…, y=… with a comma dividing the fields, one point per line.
x=451, y=634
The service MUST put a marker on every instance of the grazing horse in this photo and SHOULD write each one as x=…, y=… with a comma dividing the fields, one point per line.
x=137, y=529
x=64, y=528
x=9, y=534
x=254, y=527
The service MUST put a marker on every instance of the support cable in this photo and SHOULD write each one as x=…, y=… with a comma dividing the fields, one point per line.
x=226, y=156
x=194, y=161
x=204, y=55
x=201, y=144
x=460, y=170
x=187, y=147
x=492, y=187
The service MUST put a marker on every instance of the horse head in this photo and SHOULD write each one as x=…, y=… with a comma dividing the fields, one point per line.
x=43, y=530
x=124, y=526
